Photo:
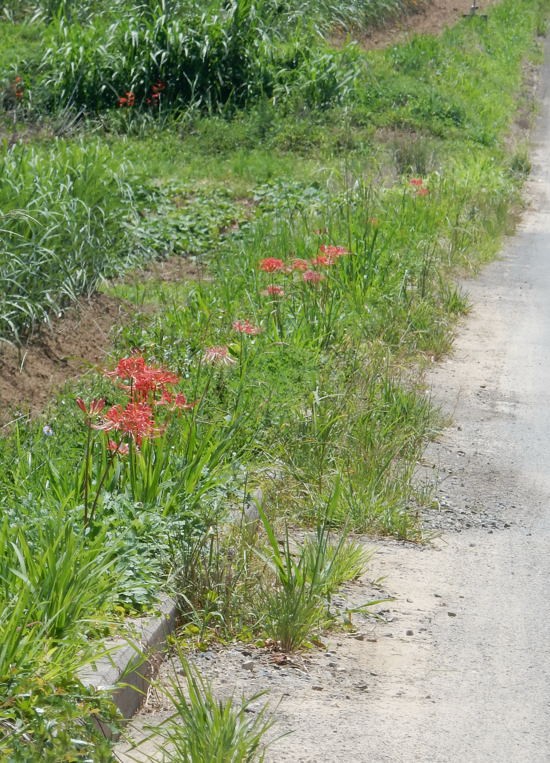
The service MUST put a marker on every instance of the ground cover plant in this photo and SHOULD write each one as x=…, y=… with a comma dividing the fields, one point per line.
x=327, y=203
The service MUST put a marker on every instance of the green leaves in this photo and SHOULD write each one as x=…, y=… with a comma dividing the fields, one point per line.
x=306, y=574
x=204, y=729
x=55, y=587
x=63, y=215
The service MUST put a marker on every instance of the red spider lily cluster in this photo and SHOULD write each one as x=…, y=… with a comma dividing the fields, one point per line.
x=324, y=260
x=273, y=291
x=271, y=264
x=18, y=88
x=245, y=327
x=327, y=256
x=299, y=265
x=312, y=276
x=147, y=388
x=418, y=185
x=156, y=90
x=134, y=420
x=127, y=100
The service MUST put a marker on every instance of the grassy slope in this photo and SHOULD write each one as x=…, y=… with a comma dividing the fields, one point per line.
x=321, y=409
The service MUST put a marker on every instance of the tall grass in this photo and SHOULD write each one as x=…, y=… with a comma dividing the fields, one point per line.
x=327, y=15
x=204, y=729
x=160, y=56
x=163, y=56
x=66, y=217
x=54, y=588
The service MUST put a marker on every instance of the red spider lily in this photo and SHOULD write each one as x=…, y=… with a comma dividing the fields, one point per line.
x=422, y=192
x=128, y=368
x=245, y=327
x=178, y=401
x=218, y=356
x=94, y=409
x=333, y=251
x=273, y=291
x=416, y=182
x=311, y=276
x=142, y=381
x=18, y=88
x=128, y=99
x=150, y=380
x=158, y=87
x=122, y=448
x=300, y=265
x=135, y=420
x=324, y=259
x=271, y=264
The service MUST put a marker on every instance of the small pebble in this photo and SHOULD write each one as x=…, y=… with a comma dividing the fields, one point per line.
x=451, y=614
x=410, y=632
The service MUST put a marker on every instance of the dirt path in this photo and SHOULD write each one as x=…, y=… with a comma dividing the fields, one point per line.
x=460, y=670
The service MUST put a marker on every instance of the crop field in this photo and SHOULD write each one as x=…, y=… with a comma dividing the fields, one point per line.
x=328, y=197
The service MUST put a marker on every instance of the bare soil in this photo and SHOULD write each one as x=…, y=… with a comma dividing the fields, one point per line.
x=30, y=375
x=76, y=342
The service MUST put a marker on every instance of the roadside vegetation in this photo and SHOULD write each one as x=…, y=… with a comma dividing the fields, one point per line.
x=260, y=410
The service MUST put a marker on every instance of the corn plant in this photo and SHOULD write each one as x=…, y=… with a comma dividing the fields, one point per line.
x=155, y=55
